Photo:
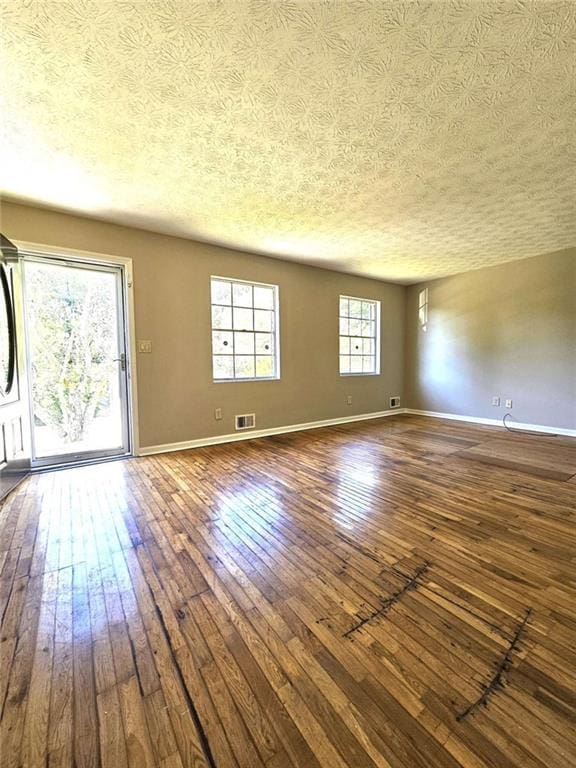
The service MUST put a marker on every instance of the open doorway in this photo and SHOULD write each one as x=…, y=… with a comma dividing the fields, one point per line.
x=78, y=363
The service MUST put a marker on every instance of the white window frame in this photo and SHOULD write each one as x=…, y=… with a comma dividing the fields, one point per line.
x=423, y=308
x=376, y=304
x=275, y=330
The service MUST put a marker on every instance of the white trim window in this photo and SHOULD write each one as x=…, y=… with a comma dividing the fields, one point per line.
x=359, y=336
x=423, y=308
x=244, y=330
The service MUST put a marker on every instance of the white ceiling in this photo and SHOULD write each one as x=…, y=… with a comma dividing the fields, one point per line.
x=399, y=140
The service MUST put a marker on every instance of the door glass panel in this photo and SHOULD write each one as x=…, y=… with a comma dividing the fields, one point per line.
x=78, y=383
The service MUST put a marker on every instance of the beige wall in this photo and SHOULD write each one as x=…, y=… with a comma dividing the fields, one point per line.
x=176, y=394
x=508, y=331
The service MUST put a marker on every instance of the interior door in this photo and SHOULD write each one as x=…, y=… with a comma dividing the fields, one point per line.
x=75, y=314
x=14, y=414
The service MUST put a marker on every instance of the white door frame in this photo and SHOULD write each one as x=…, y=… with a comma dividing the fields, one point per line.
x=30, y=250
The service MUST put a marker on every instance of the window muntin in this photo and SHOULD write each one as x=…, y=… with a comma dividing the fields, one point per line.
x=244, y=330
x=359, y=336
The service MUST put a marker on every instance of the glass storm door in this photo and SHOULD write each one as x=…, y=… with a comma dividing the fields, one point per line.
x=77, y=360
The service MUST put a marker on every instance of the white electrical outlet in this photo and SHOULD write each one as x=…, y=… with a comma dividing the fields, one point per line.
x=349, y=399
x=508, y=403
x=495, y=401
x=217, y=413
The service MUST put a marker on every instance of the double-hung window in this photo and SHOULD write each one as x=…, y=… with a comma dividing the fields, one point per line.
x=423, y=308
x=244, y=330
x=359, y=336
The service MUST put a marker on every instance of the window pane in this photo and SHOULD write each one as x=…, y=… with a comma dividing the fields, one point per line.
x=263, y=320
x=263, y=297
x=264, y=344
x=367, y=328
x=344, y=364
x=367, y=310
x=242, y=295
x=423, y=315
x=221, y=317
x=344, y=345
x=343, y=307
x=243, y=319
x=344, y=327
x=368, y=365
x=264, y=365
x=223, y=367
x=355, y=308
x=244, y=366
x=355, y=327
x=221, y=292
x=367, y=346
x=355, y=365
x=355, y=346
x=243, y=343
x=222, y=343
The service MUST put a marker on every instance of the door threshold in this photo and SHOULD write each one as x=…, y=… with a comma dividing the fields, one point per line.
x=80, y=463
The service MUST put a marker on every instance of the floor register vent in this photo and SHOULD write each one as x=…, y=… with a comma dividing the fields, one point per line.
x=246, y=421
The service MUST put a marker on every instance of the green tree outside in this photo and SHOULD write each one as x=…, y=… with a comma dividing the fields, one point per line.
x=72, y=339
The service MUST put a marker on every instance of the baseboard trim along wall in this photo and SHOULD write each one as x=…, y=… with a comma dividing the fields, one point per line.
x=495, y=422
x=255, y=433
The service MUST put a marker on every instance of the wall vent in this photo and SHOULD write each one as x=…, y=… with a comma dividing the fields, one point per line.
x=394, y=402
x=246, y=421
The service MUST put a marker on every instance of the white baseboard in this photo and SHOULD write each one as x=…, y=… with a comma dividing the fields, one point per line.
x=255, y=433
x=495, y=422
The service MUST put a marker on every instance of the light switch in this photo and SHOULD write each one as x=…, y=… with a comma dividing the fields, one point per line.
x=145, y=347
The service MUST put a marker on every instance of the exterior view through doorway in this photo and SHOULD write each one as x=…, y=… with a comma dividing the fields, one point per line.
x=77, y=358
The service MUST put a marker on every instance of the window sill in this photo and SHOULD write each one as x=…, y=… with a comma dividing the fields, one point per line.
x=359, y=374
x=240, y=381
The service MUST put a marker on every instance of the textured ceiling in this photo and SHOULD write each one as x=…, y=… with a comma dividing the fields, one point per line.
x=400, y=140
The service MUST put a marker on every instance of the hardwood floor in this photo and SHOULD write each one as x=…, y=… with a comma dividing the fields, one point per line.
x=396, y=593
